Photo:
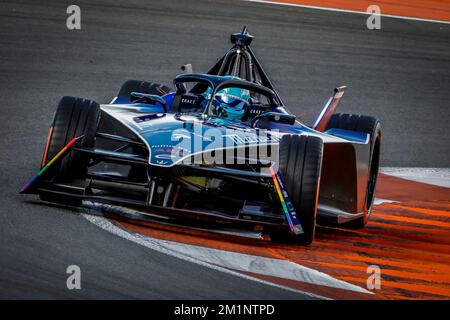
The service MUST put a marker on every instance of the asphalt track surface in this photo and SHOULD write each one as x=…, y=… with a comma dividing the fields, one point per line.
x=400, y=74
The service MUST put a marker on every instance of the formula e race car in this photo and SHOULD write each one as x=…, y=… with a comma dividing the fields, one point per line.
x=221, y=147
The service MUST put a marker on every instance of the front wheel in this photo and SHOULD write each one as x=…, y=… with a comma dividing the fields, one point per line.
x=74, y=117
x=300, y=164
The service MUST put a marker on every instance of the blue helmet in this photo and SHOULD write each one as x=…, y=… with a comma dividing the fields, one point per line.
x=230, y=103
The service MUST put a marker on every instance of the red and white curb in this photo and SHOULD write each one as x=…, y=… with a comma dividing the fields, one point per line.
x=240, y=264
x=322, y=8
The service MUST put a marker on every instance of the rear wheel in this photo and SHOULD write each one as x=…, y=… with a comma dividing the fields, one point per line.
x=371, y=126
x=142, y=87
x=74, y=117
x=300, y=163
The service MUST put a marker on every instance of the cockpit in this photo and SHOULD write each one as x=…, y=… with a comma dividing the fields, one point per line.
x=225, y=97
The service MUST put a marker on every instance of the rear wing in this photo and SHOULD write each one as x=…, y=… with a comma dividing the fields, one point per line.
x=330, y=107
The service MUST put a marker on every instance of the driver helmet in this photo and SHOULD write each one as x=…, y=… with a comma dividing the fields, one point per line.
x=231, y=102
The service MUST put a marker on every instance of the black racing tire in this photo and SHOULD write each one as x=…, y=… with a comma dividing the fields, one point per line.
x=142, y=87
x=370, y=125
x=300, y=164
x=74, y=117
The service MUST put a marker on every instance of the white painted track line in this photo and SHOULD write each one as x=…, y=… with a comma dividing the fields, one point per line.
x=163, y=247
x=435, y=176
x=379, y=201
x=346, y=11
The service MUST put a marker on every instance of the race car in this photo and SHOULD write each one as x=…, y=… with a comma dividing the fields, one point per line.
x=219, y=147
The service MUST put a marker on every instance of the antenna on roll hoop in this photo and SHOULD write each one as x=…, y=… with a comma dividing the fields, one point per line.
x=240, y=61
x=242, y=39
